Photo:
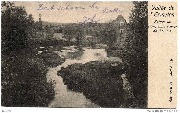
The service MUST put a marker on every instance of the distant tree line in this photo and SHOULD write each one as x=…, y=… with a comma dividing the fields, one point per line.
x=100, y=34
x=18, y=28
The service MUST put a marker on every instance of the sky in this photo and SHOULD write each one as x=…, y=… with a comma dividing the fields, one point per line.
x=74, y=12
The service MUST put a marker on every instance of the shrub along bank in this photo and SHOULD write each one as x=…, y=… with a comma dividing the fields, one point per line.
x=24, y=80
x=98, y=81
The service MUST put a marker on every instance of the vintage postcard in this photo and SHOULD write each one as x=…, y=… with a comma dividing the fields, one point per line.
x=89, y=54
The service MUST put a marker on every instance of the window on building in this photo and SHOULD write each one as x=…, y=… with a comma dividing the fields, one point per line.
x=121, y=30
x=121, y=23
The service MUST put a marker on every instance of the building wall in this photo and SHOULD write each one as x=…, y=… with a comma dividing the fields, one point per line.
x=120, y=24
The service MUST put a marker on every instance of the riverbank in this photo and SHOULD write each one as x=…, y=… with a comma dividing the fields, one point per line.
x=24, y=82
x=98, y=81
x=137, y=71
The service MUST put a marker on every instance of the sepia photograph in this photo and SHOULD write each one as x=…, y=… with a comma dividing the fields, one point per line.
x=74, y=54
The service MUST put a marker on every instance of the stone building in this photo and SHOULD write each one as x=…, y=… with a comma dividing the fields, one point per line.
x=96, y=30
x=120, y=25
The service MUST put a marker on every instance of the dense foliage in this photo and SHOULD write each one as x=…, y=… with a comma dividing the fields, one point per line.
x=109, y=35
x=98, y=81
x=24, y=82
x=136, y=51
x=23, y=72
x=16, y=27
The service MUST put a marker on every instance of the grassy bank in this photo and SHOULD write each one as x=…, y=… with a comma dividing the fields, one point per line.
x=100, y=82
x=137, y=72
x=24, y=80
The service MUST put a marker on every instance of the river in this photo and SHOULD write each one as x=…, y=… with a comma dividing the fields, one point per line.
x=63, y=96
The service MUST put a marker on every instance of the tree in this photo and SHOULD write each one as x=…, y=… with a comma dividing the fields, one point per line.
x=138, y=25
x=109, y=35
x=16, y=26
x=68, y=33
x=49, y=32
x=31, y=26
x=79, y=36
x=136, y=51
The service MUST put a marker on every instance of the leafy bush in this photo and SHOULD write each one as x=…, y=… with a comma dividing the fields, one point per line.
x=51, y=59
x=24, y=82
x=16, y=27
x=136, y=52
x=97, y=81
